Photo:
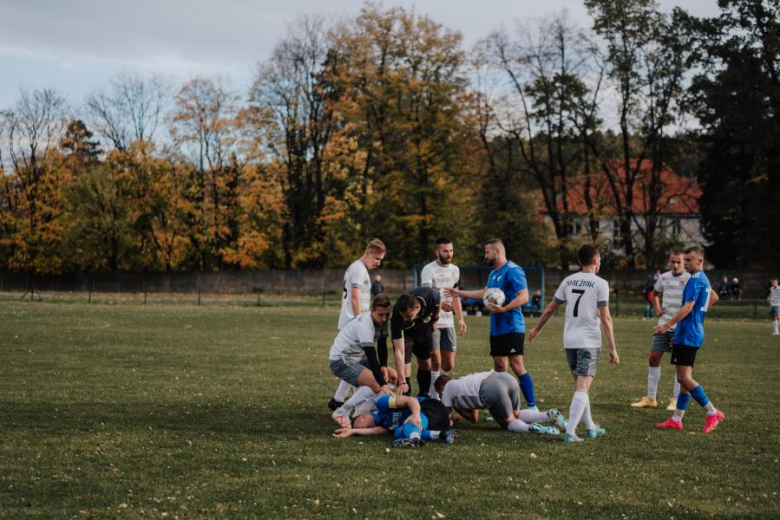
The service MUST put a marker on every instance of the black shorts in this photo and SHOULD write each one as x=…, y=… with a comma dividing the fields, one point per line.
x=683, y=355
x=418, y=341
x=509, y=344
x=436, y=412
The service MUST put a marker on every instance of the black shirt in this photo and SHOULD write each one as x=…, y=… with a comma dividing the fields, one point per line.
x=429, y=312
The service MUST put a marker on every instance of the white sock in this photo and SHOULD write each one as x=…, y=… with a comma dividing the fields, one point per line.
x=578, y=404
x=342, y=391
x=678, y=415
x=530, y=416
x=363, y=394
x=711, y=410
x=586, y=417
x=518, y=426
x=676, y=389
x=775, y=326
x=653, y=376
x=414, y=435
x=434, y=435
x=434, y=376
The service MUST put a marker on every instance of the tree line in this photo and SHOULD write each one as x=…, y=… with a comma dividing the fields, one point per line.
x=385, y=125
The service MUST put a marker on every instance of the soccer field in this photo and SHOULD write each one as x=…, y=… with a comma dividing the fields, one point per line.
x=172, y=411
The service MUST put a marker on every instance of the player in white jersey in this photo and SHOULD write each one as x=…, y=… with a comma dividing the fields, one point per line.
x=499, y=393
x=354, y=359
x=587, y=315
x=669, y=285
x=443, y=274
x=774, y=301
x=356, y=298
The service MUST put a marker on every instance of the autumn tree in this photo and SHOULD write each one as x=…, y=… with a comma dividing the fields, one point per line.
x=403, y=87
x=549, y=103
x=648, y=61
x=130, y=110
x=205, y=125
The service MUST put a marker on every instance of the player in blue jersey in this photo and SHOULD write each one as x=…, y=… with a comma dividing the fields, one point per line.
x=411, y=420
x=697, y=298
x=507, y=324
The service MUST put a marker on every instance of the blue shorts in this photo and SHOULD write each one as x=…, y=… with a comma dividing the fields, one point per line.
x=775, y=310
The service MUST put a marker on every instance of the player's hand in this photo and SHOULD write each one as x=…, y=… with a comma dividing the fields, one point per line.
x=385, y=390
x=446, y=307
x=463, y=327
x=614, y=359
x=532, y=335
x=414, y=419
x=385, y=373
x=402, y=388
x=660, y=330
x=495, y=309
x=343, y=433
x=452, y=292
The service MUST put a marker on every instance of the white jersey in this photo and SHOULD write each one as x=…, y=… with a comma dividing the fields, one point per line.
x=671, y=287
x=356, y=276
x=441, y=277
x=774, y=295
x=353, y=337
x=583, y=294
x=464, y=392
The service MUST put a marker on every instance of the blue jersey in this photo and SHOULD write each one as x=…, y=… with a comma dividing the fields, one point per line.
x=390, y=417
x=511, y=280
x=690, y=330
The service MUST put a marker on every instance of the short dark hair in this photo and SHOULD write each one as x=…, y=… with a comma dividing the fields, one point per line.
x=586, y=254
x=442, y=241
x=380, y=300
x=695, y=250
x=677, y=252
x=494, y=242
x=406, y=302
x=441, y=382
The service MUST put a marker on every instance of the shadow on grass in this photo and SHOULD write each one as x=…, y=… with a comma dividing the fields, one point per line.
x=190, y=417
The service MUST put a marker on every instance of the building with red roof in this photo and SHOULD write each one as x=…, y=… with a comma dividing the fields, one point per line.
x=677, y=215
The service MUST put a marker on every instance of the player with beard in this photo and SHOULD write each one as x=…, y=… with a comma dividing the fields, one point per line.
x=412, y=323
x=507, y=324
x=439, y=275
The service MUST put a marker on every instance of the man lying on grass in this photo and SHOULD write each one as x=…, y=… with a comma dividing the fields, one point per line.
x=411, y=420
x=499, y=393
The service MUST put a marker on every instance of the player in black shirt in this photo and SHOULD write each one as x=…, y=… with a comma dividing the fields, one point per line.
x=411, y=327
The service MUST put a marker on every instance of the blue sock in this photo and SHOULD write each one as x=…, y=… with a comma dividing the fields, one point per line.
x=527, y=387
x=409, y=429
x=428, y=437
x=682, y=401
x=698, y=394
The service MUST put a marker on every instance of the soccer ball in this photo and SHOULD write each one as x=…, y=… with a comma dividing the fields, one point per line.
x=494, y=296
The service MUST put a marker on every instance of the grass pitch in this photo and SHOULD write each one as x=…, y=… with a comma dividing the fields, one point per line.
x=219, y=412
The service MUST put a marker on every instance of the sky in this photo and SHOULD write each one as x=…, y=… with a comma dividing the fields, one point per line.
x=78, y=46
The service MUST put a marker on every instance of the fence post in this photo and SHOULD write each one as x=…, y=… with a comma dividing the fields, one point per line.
x=323, y=287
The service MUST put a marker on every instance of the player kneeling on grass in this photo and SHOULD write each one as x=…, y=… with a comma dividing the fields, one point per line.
x=354, y=359
x=499, y=393
x=411, y=420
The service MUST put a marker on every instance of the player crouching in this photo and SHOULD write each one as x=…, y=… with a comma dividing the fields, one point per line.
x=354, y=359
x=499, y=393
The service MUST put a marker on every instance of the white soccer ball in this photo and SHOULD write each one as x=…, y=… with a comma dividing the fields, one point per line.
x=494, y=296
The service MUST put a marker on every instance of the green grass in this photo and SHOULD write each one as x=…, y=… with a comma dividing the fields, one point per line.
x=128, y=411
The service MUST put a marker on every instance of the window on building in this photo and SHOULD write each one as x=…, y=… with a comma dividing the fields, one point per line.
x=676, y=228
x=617, y=237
